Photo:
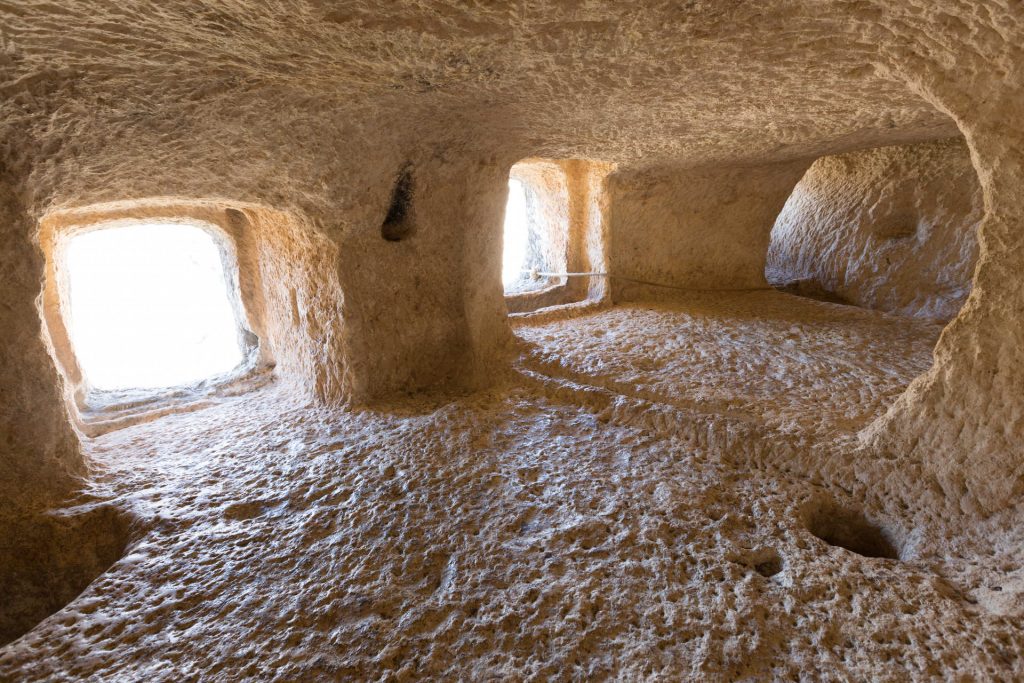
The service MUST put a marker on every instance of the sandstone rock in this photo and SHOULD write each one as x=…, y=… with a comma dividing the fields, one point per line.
x=412, y=478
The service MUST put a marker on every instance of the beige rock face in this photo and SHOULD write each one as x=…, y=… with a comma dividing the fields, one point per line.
x=694, y=229
x=38, y=450
x=642, y=483
x=893, y=228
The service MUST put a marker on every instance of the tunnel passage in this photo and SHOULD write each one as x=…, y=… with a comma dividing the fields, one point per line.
x=891, y=228
x=554, y=233
x=696, y=325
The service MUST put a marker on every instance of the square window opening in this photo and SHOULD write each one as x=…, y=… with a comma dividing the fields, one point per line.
x=149, y=306
x=146, y=309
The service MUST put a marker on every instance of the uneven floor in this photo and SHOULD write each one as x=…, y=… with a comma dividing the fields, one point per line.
x=635, y=502
x=787, y=361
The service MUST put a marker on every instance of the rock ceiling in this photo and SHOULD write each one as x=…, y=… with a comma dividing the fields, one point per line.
x=701, y=82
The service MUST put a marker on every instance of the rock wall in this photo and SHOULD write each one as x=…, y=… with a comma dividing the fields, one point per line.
x=960, y=426
x=298, y=301
x=893, y=228
x=703, y=228
x=426, y=311
x=39, y=452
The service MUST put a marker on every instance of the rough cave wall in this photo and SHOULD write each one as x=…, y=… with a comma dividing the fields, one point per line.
x=590, y=179
x=702, y=228
x=427, y=311
x=892, y=228
x=299, y=300
x=962, y=424
x=39, y=454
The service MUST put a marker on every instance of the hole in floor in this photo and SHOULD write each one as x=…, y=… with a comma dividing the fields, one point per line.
x=48, y=561
x=769, y=563
x=851, y=530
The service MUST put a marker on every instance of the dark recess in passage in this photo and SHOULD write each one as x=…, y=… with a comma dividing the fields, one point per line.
x=398, y=224
x=851, y=530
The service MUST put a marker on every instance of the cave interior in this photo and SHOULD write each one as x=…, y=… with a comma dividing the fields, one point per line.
x=534, y=340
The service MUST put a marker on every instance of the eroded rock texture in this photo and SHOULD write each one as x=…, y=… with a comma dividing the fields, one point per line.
x=892, y=228
x=694, y=228
x=653, y=483
x=578, y=520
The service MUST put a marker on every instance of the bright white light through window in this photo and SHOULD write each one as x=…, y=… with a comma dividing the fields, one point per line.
x=516, y=235
x=149, y=306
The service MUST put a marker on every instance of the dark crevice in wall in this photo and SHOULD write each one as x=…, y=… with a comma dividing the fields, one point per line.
x=398, y=224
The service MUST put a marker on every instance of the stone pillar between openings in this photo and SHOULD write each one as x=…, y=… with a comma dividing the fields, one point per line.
x=423, y=301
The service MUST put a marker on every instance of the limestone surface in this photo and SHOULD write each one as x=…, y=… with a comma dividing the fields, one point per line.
x=537, y=531
x=415, y=479
x=893, y=228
